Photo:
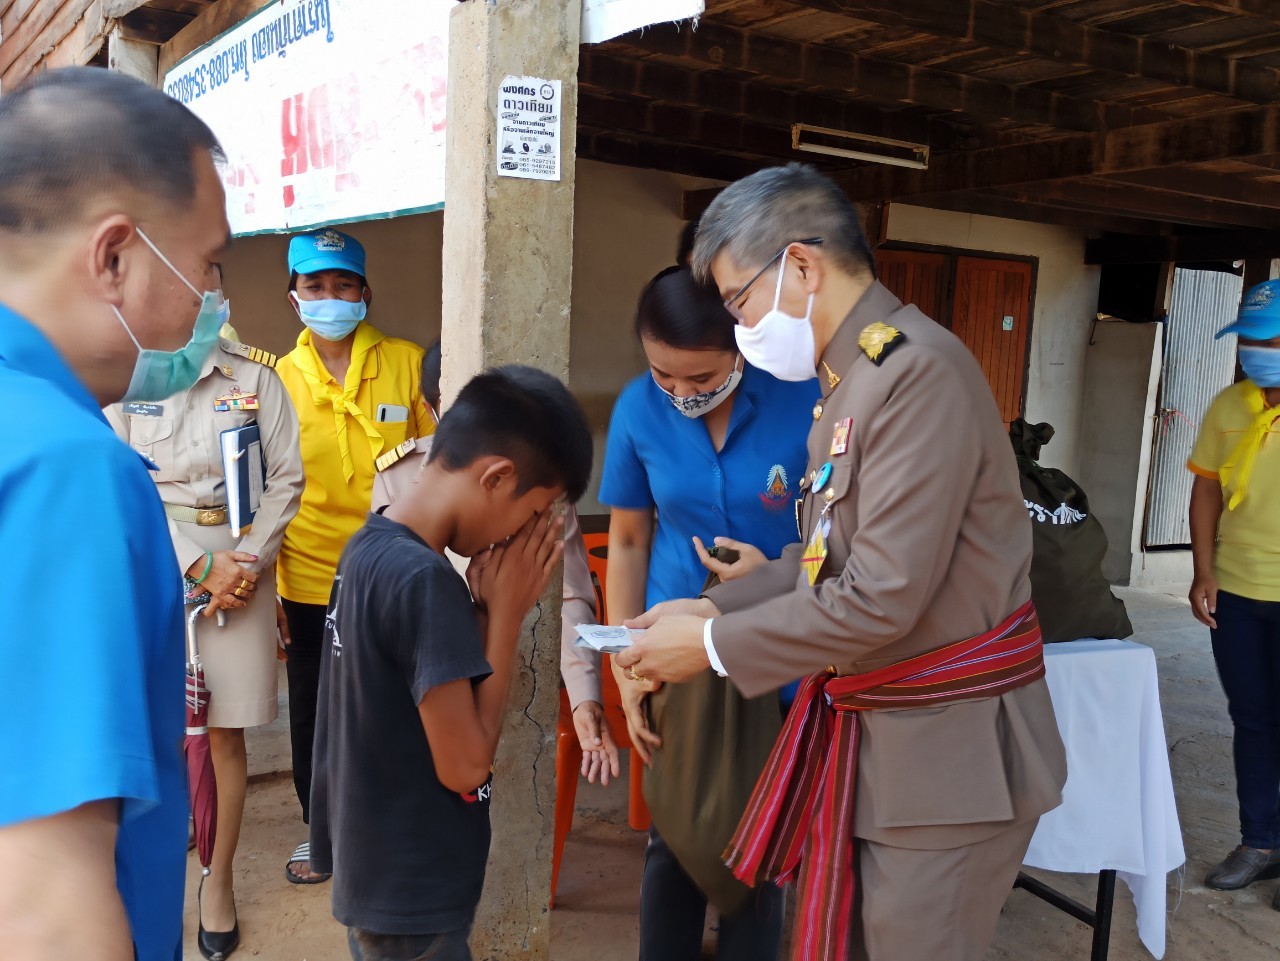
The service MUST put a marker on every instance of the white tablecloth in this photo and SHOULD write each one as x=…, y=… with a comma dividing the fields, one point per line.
x=1118, y=808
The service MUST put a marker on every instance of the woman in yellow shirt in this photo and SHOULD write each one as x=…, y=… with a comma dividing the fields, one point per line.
x=358, y=395
x=1235, y=543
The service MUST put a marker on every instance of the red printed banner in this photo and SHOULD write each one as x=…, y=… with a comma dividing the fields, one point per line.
x=329, y=110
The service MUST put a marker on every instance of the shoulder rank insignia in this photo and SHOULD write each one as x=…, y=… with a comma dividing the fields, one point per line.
x=878, y=340
x=395, y=455
x=255, y=354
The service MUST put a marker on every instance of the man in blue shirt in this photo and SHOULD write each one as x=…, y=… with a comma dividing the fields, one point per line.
x=111, y=214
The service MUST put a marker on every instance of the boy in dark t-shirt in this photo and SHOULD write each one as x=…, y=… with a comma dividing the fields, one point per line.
x=417, y=668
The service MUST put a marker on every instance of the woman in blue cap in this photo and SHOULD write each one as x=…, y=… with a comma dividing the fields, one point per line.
x=1235, y=543
x=358, y=396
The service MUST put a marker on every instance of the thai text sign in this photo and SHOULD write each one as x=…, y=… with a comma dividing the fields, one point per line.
x=329, y=110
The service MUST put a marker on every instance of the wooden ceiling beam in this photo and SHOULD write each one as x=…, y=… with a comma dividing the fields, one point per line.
x=1262, y=9
x=713, y=90
x=681, y=126
x=607, y=146
x=1184, y=248
x=1193, y=182
x=1229, y=135
x=1004, y=26
x=1129, y=201
x=852, y=75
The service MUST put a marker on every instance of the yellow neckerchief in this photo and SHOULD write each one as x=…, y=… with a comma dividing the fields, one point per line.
x=364, y=364
x=1237, y=470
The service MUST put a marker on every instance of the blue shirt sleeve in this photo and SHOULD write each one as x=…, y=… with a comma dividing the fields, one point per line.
x=624, y=482
x=74, y=612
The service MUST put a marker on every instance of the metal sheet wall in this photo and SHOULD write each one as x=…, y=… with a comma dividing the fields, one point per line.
x=1196, y=368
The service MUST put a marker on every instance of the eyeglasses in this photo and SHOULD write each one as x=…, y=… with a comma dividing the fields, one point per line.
x=734, y=304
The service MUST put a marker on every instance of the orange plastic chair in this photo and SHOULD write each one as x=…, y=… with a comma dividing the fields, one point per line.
x=569, y=751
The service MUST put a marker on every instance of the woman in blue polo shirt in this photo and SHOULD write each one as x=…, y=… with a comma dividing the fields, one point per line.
x=702, y=446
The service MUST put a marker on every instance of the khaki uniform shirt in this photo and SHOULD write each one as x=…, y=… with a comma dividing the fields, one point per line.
x=929, y=544
x=180, y=434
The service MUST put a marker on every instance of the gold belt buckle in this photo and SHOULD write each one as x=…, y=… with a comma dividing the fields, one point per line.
x=211, y=517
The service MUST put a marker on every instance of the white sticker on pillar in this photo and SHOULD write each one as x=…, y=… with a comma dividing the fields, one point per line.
x=528, y=142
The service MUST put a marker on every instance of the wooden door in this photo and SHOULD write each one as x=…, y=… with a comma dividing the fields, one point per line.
x=992, y=315
x=917, y=277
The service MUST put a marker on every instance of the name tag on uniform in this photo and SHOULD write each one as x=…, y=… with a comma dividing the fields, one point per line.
x=144, y=410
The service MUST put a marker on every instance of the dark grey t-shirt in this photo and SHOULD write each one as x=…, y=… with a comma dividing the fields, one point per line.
x=407, y=854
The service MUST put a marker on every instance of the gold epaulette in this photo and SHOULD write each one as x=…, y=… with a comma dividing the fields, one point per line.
x=395, y=455
x=878, y=340
x=255, y=354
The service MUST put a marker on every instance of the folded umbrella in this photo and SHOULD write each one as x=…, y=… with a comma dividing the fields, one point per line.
x=200, y=778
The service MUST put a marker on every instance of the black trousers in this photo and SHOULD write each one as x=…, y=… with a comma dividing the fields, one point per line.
x=1246, y=647
x=673, y=911
x=306, y=629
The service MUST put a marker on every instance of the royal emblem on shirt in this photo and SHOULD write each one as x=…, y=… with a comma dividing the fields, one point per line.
x=237, y=399
x=777, y=490
x=878, y=340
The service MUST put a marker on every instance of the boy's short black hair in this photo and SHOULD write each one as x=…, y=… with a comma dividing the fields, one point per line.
x=525, y=414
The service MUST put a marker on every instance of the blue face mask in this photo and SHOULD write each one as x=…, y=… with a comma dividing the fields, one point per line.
x=158, y=374
x=331, y=319
x=1261, y=365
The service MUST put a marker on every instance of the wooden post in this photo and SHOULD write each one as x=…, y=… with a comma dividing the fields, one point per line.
x=132, y=57
x=508, y=263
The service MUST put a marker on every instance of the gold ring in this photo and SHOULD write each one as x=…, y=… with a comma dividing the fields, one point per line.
x=244, y=583
x=237, y=592
x=631, y=673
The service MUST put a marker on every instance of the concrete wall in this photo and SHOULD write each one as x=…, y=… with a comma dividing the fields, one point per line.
x=1066, y=299
x=1122, y=377
x=627, y=224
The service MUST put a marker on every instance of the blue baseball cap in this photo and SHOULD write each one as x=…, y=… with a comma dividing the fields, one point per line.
x=1259, y=317
x=326, y=249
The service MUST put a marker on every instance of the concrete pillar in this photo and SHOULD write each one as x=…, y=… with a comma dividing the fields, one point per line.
x=508, y=264
x=132, y=57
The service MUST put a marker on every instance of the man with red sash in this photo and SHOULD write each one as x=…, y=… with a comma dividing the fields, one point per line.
x=922, y=748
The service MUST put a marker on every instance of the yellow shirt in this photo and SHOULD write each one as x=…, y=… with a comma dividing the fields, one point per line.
x=341, y=436
x=1247, y=559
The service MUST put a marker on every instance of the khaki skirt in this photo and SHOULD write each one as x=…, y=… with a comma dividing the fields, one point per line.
x=240, y=665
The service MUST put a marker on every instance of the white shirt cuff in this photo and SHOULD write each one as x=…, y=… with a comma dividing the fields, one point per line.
x=716, y=664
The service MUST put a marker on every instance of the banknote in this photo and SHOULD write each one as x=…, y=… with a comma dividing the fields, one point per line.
x=607, y=640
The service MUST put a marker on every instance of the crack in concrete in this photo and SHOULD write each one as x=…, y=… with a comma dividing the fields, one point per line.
x=533, y=697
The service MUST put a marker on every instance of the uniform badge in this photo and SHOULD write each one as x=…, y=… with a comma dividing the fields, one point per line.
x=395, y=455
x=840, y=438
x=777, y=490
x=237, y=399
x=878, y=340
x=815, y=552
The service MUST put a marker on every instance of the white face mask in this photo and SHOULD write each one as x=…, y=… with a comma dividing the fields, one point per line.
x=780, y=344
x=707, y=401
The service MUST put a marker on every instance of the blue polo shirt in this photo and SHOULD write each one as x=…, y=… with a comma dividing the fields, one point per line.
x=658, y=458
x=91, y=649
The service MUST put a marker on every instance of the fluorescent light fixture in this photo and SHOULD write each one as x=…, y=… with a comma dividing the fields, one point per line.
x=842, y=143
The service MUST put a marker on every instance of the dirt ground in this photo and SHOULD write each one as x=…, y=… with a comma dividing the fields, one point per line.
x=596, y=907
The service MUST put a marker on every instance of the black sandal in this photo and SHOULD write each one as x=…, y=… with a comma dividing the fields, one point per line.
x=301, y=855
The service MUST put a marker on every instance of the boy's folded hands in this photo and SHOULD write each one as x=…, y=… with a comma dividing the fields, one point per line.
x=507, y=580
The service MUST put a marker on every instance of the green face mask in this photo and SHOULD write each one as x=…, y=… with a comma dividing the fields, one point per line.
x=162, y=373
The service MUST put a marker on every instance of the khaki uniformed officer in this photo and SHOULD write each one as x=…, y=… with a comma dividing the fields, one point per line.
x=237, y=386
x=913, y=540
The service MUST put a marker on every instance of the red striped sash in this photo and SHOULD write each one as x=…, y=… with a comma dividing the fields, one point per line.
x=800, y=816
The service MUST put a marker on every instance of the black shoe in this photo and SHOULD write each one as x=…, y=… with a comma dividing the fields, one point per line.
x=1242, y=867
x=216, y=945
